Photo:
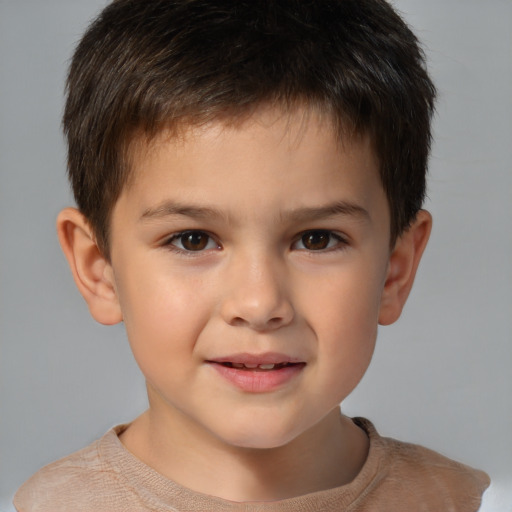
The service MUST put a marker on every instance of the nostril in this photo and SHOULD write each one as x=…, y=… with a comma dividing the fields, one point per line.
x=238, y=322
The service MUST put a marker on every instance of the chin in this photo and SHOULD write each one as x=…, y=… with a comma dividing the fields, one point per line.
x=262, y=435
x=258, y=442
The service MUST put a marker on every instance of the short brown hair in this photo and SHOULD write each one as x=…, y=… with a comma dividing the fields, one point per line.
x=143, y=65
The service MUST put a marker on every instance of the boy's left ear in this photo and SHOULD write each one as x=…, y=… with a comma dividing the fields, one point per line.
x=403, y=263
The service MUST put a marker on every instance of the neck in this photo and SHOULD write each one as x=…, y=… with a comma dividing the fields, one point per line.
x=328, y=455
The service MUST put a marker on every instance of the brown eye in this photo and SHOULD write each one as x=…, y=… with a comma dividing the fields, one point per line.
x=316, y=240
x=193, y=241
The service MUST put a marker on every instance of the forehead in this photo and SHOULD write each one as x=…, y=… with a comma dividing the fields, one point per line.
x=290, y=127
x=274, y=161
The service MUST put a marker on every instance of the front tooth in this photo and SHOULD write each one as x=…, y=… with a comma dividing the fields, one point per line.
x=250, y=366
x=237, y=365
x=267, y=366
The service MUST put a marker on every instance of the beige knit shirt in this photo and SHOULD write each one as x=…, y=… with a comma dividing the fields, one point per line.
x=396, y=477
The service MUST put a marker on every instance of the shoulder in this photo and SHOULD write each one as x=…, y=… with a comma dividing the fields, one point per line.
x=431, y=470
x=422, y=476
x=84, y=480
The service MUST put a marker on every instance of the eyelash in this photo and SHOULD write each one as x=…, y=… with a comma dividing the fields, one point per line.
x=340, y=242
x=169, y=242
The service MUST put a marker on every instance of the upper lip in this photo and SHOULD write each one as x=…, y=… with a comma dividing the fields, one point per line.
x=246, y=358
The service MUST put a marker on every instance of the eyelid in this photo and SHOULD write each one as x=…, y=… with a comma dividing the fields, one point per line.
x=167, y=242
x=342, y=241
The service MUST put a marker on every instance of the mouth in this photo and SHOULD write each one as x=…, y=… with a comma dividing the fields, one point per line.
x=265, y=367
x=257, y=362
x=258, y=373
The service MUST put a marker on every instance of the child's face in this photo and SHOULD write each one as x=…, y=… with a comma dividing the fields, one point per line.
x=265, y=244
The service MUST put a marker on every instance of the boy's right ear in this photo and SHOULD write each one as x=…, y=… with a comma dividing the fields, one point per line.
x=91, y=271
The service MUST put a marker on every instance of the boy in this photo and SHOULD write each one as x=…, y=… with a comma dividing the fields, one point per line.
x=249, y=177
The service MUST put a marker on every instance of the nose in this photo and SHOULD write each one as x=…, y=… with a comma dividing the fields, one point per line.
x=257, y=294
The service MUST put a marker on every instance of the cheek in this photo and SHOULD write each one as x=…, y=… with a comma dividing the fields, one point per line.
x=345, y=322
x=346, y=302
x=163, y=316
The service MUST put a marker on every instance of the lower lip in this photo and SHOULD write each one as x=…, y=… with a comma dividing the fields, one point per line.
x=253, y=381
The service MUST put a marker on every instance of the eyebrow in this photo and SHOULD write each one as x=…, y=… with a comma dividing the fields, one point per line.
x=302, y=214
x=172, y=208
x=314, y=213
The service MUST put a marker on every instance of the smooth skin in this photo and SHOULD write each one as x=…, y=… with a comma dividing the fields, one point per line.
x=266, y=236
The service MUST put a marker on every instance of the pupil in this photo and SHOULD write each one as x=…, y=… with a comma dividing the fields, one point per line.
x=194, y=241
x=316, y=240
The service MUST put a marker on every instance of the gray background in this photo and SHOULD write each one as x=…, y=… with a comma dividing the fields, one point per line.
x=440, y=377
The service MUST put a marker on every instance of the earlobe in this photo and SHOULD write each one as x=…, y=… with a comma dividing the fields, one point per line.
x=91, y=271
x=403, y=264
